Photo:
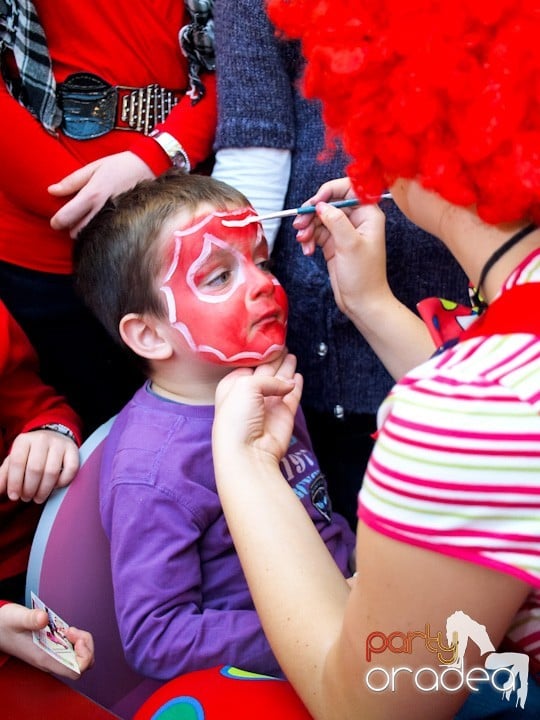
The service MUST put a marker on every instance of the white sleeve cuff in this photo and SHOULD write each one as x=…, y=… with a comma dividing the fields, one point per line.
x=262, y=174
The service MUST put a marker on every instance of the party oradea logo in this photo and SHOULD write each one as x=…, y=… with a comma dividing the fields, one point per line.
x=506, y=672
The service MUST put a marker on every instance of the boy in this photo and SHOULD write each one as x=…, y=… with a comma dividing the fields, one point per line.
x=192, y=299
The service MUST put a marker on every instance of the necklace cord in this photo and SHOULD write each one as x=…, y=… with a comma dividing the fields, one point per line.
x=502, y=250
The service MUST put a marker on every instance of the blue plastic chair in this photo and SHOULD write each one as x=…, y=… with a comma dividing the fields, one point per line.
x=70, y=571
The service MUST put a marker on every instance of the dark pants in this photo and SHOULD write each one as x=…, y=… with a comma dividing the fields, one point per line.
x=488, y=704
x=342, y=448
x=13, y=588
x=77, y=357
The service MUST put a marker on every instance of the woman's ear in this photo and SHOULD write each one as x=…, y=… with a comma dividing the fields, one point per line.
x=143, y=334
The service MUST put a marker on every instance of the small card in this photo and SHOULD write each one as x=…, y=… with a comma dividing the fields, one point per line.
x=52, y=639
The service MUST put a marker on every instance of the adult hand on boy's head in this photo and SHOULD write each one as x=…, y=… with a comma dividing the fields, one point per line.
x=91, y=185
x=255, y=410
x=39, y=462
x=16, y=625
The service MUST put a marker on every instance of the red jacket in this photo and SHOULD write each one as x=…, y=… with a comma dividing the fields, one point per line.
x=125, y=42
x=25, y=404
x=3, y=656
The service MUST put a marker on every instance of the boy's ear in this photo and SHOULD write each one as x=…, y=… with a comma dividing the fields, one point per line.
x=143, y=335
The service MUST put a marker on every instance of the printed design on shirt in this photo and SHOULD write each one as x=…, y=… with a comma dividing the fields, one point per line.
x=320, y=497
x=303, y=474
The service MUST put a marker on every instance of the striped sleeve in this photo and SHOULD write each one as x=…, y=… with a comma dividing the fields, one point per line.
x=456, y=466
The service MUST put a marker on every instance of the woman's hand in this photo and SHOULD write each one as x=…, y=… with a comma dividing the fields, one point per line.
x=255, y=410
x=310, y=231
x=92, y=185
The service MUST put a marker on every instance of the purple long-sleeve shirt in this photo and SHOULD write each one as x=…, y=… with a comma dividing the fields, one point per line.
x=182, y=601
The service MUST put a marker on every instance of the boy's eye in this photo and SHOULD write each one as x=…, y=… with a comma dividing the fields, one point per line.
x=264, y=265
x=217, y=279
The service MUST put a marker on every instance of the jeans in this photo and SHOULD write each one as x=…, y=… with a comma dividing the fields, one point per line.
x=488, y=704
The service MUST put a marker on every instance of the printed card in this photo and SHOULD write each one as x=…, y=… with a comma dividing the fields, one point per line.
x=52, y=639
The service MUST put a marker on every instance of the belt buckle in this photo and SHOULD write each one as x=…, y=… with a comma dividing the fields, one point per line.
x=141, y=109
x=88, y=106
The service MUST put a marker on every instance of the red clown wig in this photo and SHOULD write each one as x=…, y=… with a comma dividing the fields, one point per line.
x=444, y=92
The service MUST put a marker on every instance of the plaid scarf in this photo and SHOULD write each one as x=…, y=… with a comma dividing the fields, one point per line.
x=35, y=88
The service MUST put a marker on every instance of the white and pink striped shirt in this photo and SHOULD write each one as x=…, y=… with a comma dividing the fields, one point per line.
x=456, y=465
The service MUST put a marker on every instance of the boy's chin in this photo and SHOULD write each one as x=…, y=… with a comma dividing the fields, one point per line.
x=255, y=359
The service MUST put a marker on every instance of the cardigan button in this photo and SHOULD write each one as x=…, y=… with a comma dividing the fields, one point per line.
x=322, y=349
x=339, y=412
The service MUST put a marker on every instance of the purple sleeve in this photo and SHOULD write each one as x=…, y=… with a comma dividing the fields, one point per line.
x=158, y=580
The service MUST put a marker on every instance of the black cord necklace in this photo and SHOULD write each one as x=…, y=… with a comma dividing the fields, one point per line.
x=497, y=255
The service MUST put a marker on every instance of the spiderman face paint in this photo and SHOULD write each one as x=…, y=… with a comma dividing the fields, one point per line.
x=220, y=296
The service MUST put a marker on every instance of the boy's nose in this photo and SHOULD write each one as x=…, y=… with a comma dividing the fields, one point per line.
x=260, y=282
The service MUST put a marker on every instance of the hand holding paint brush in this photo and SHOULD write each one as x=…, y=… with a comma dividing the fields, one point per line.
x=310, y=230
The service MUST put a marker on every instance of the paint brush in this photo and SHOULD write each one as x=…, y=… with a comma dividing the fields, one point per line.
x=306, y=209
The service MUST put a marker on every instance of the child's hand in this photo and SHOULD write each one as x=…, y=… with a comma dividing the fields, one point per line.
x=83, y=644
x=16, y=625
x=255, y=410
x=39, y=462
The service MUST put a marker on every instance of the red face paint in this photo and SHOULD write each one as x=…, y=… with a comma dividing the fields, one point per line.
x=229, y=308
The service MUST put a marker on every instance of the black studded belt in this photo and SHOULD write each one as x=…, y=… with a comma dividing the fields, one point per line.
x=92, y=107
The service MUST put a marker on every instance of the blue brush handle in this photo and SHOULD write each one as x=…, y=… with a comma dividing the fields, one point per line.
x=338, y=203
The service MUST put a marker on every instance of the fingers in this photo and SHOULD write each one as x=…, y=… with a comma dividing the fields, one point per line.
x=74, y=182
x=92, y=185
x=19, y=618
x=15, y=468
x=339, y=228
x=279, y=366
x=74, y=211
x=285, y=369
x=89, y=197
x=37, y=619
x=38, y=462
x=280, y=380
x=310, y=231
x=366, y=221
x=70, y=465
x=75, y=214
x=3, y=476
x=83, y=644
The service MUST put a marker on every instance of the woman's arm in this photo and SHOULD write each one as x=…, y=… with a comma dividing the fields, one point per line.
x=353, y=243
x=319, y=630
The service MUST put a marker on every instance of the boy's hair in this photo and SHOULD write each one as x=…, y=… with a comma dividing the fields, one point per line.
x=116, y=258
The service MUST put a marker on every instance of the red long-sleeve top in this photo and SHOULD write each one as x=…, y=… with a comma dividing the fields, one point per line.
x=26, y=403
x=3, y=656
x=125, y=42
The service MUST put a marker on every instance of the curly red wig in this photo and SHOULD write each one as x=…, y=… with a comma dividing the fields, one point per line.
x=444, y=92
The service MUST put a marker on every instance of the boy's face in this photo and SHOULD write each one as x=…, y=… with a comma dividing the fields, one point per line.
x=220, y=296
